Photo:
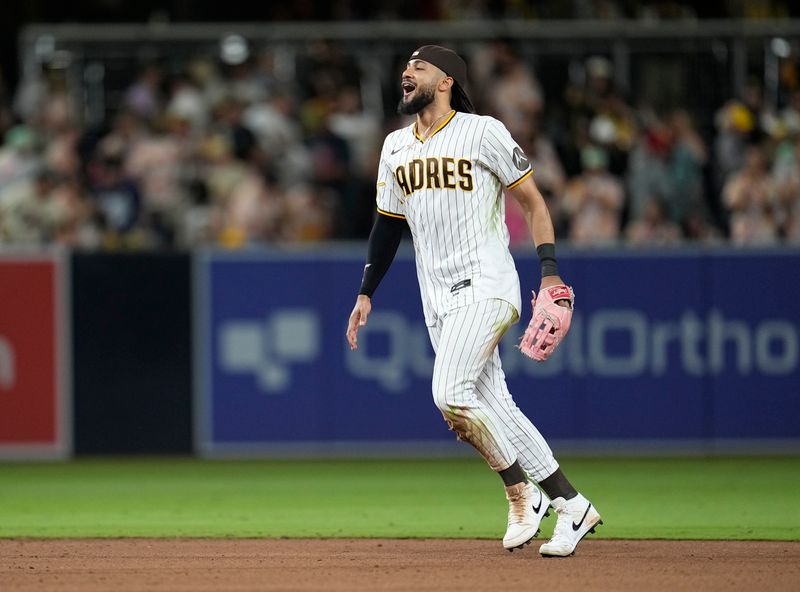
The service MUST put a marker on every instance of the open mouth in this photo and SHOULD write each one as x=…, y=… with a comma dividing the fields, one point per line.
x=408, y=87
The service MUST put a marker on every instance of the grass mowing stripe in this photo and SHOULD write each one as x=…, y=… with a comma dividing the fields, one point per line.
x=638, y=498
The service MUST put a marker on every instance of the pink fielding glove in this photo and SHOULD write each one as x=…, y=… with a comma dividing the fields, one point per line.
x=549, y=324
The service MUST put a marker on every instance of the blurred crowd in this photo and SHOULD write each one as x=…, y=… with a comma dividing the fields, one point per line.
x=246, y=154
x=613, y=172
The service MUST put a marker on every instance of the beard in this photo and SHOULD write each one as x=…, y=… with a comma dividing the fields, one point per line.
x=423, y=98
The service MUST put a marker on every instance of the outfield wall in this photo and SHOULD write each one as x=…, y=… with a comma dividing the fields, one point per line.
x=131, y=352
x=35, y=411
x=680, y=351
x=236, y=354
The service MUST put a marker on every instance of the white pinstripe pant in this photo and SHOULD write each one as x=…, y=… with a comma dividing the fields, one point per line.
x=469, y=388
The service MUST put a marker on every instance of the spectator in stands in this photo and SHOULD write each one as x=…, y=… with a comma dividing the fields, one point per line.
x=594, y=201
x=309, y=215
x=786, y=179
x=599, y=83
x=242, y=211
x=734, y=124
x=61, y=153
x=228, y=122
x=242, y=82
x=596, y=112
x=686, y=161
x=511, y=92
x=143, y=98
x=32, y=93
x=274, y=148
x=59, y=111
x=749, y=195
x=762, y=116
x=248, y=214
x=43, y=99
x=267, y=75
x=613, y=127
x=654, y=228
x=280, y=138
x=790, y=115
x=28, y=213
x=19, y=157
x=697, y=228
x=648, y=172
x=187, y=102
x=205, y=75
x=117, y=201
x=550, y=179
x=331, y=163
x=359, y=128
x=158, y=162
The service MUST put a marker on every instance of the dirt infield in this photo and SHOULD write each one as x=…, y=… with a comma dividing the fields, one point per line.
x=122, y=565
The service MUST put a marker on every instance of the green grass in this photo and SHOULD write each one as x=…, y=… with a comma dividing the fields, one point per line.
x=747, y=498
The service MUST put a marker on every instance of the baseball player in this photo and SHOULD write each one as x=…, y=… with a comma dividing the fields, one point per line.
x=443, y=177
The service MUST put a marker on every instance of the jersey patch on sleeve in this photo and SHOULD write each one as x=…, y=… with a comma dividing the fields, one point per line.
x=520, y=160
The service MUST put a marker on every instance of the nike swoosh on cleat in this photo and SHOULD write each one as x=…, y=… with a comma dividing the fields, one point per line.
x=575, y=527
x=539, y=507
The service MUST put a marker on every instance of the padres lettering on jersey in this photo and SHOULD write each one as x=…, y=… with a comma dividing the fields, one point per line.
x=449, y=190
x=434, y=173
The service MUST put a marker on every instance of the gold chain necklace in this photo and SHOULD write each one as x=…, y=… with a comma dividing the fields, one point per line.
x=424, y=135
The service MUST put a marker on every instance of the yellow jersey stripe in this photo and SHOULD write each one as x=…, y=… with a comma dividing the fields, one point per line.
x=520, y=180
x=438, y=129
x=391, y=214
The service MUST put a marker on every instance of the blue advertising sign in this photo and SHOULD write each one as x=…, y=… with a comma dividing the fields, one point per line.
x=676, y=347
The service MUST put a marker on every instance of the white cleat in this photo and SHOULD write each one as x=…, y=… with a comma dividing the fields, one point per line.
x=527, y=505
x=576, y=518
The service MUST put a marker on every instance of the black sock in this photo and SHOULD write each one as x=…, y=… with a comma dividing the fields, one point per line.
x=513, y=474
x=557, y=485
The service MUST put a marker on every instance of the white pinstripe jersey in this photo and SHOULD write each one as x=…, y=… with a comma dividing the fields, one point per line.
x=449, y=190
